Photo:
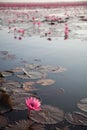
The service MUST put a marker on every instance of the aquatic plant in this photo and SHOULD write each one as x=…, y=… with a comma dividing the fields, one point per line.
x=33, y=103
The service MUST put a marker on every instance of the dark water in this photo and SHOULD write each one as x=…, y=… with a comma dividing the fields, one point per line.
x=70, y=53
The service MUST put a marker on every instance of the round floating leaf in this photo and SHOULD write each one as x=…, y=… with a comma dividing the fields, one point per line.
x=44, y=69
x=25, y=125
x=45, y=82
x=82, y=105
x=5, y=102
x=17, y=69
x=47, y=115
x=7, y=73
x=3, y=121
x=19, y=100
x=58, y=128
x=55, y=69
x=5, y=55
x=83, y=100
x=76, y=118
x=11, y=86
x=64, y=128
x=22, y=76
x=1, y=81
x=27, y=86
x=34, y=74
x=1, y=76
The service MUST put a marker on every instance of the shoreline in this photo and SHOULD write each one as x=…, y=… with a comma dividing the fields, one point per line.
x=40, y=4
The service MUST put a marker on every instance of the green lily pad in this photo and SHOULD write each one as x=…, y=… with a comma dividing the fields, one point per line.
x=3, y=121
x=7, y=73
x=27, y=86
x=82, y=105
x=76, y=118
x=25, y=125
x=5, y=103
x=19, y=100
x=17, y=69
x=45, y=82
x=11, y=86
x=47, y=115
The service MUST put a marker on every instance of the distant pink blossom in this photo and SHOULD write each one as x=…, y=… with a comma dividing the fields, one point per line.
x=33, y=103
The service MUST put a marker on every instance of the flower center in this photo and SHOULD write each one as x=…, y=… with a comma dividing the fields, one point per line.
x=32, y=104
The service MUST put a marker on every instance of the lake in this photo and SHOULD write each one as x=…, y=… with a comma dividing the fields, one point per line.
x=57, y=66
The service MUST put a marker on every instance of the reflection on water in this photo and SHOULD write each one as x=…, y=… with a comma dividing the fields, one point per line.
x=24, y=41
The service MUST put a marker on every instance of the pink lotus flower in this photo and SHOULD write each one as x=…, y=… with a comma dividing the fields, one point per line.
x=33, y=103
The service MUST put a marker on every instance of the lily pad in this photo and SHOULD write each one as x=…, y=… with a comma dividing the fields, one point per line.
x=3, y=121
x=82, y=105
x=44, y=69
x=45, y=82
x=17, y=69
x=2, y=80
x=5, y=55
x=64, y=128
x=22, y=76
x=47, y=115
x=53, y=69
x=25, y=125
x=5, y=103
x=7, y=73
x=27, y=86
x=34, y=74
x=19, y=100
x=11, y=86
x=77, y=118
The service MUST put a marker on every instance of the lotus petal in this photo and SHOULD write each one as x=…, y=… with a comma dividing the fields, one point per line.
x=45, y=82
x=5, y=102
x=82, y=105
x=3, y=121
x=25, y=125
x=77, y=118
x=47, y=115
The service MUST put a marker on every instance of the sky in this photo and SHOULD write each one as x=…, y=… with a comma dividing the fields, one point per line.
x=41, y=0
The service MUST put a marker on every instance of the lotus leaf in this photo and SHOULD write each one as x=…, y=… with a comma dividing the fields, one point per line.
x=17, y=69
x=7, y=73
x=64, y=128
x=19, y=100
x=25, y=125
x=76, y=118
x=5, y=102
x=34, y=74
x=82, y=105
x=47, y=115
x=45, y=82
x=5, y=55
x=3, y=121
x=27, y=86
x=22, y=76
x=2, y=80
x=11, y=86
x=44, y=69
